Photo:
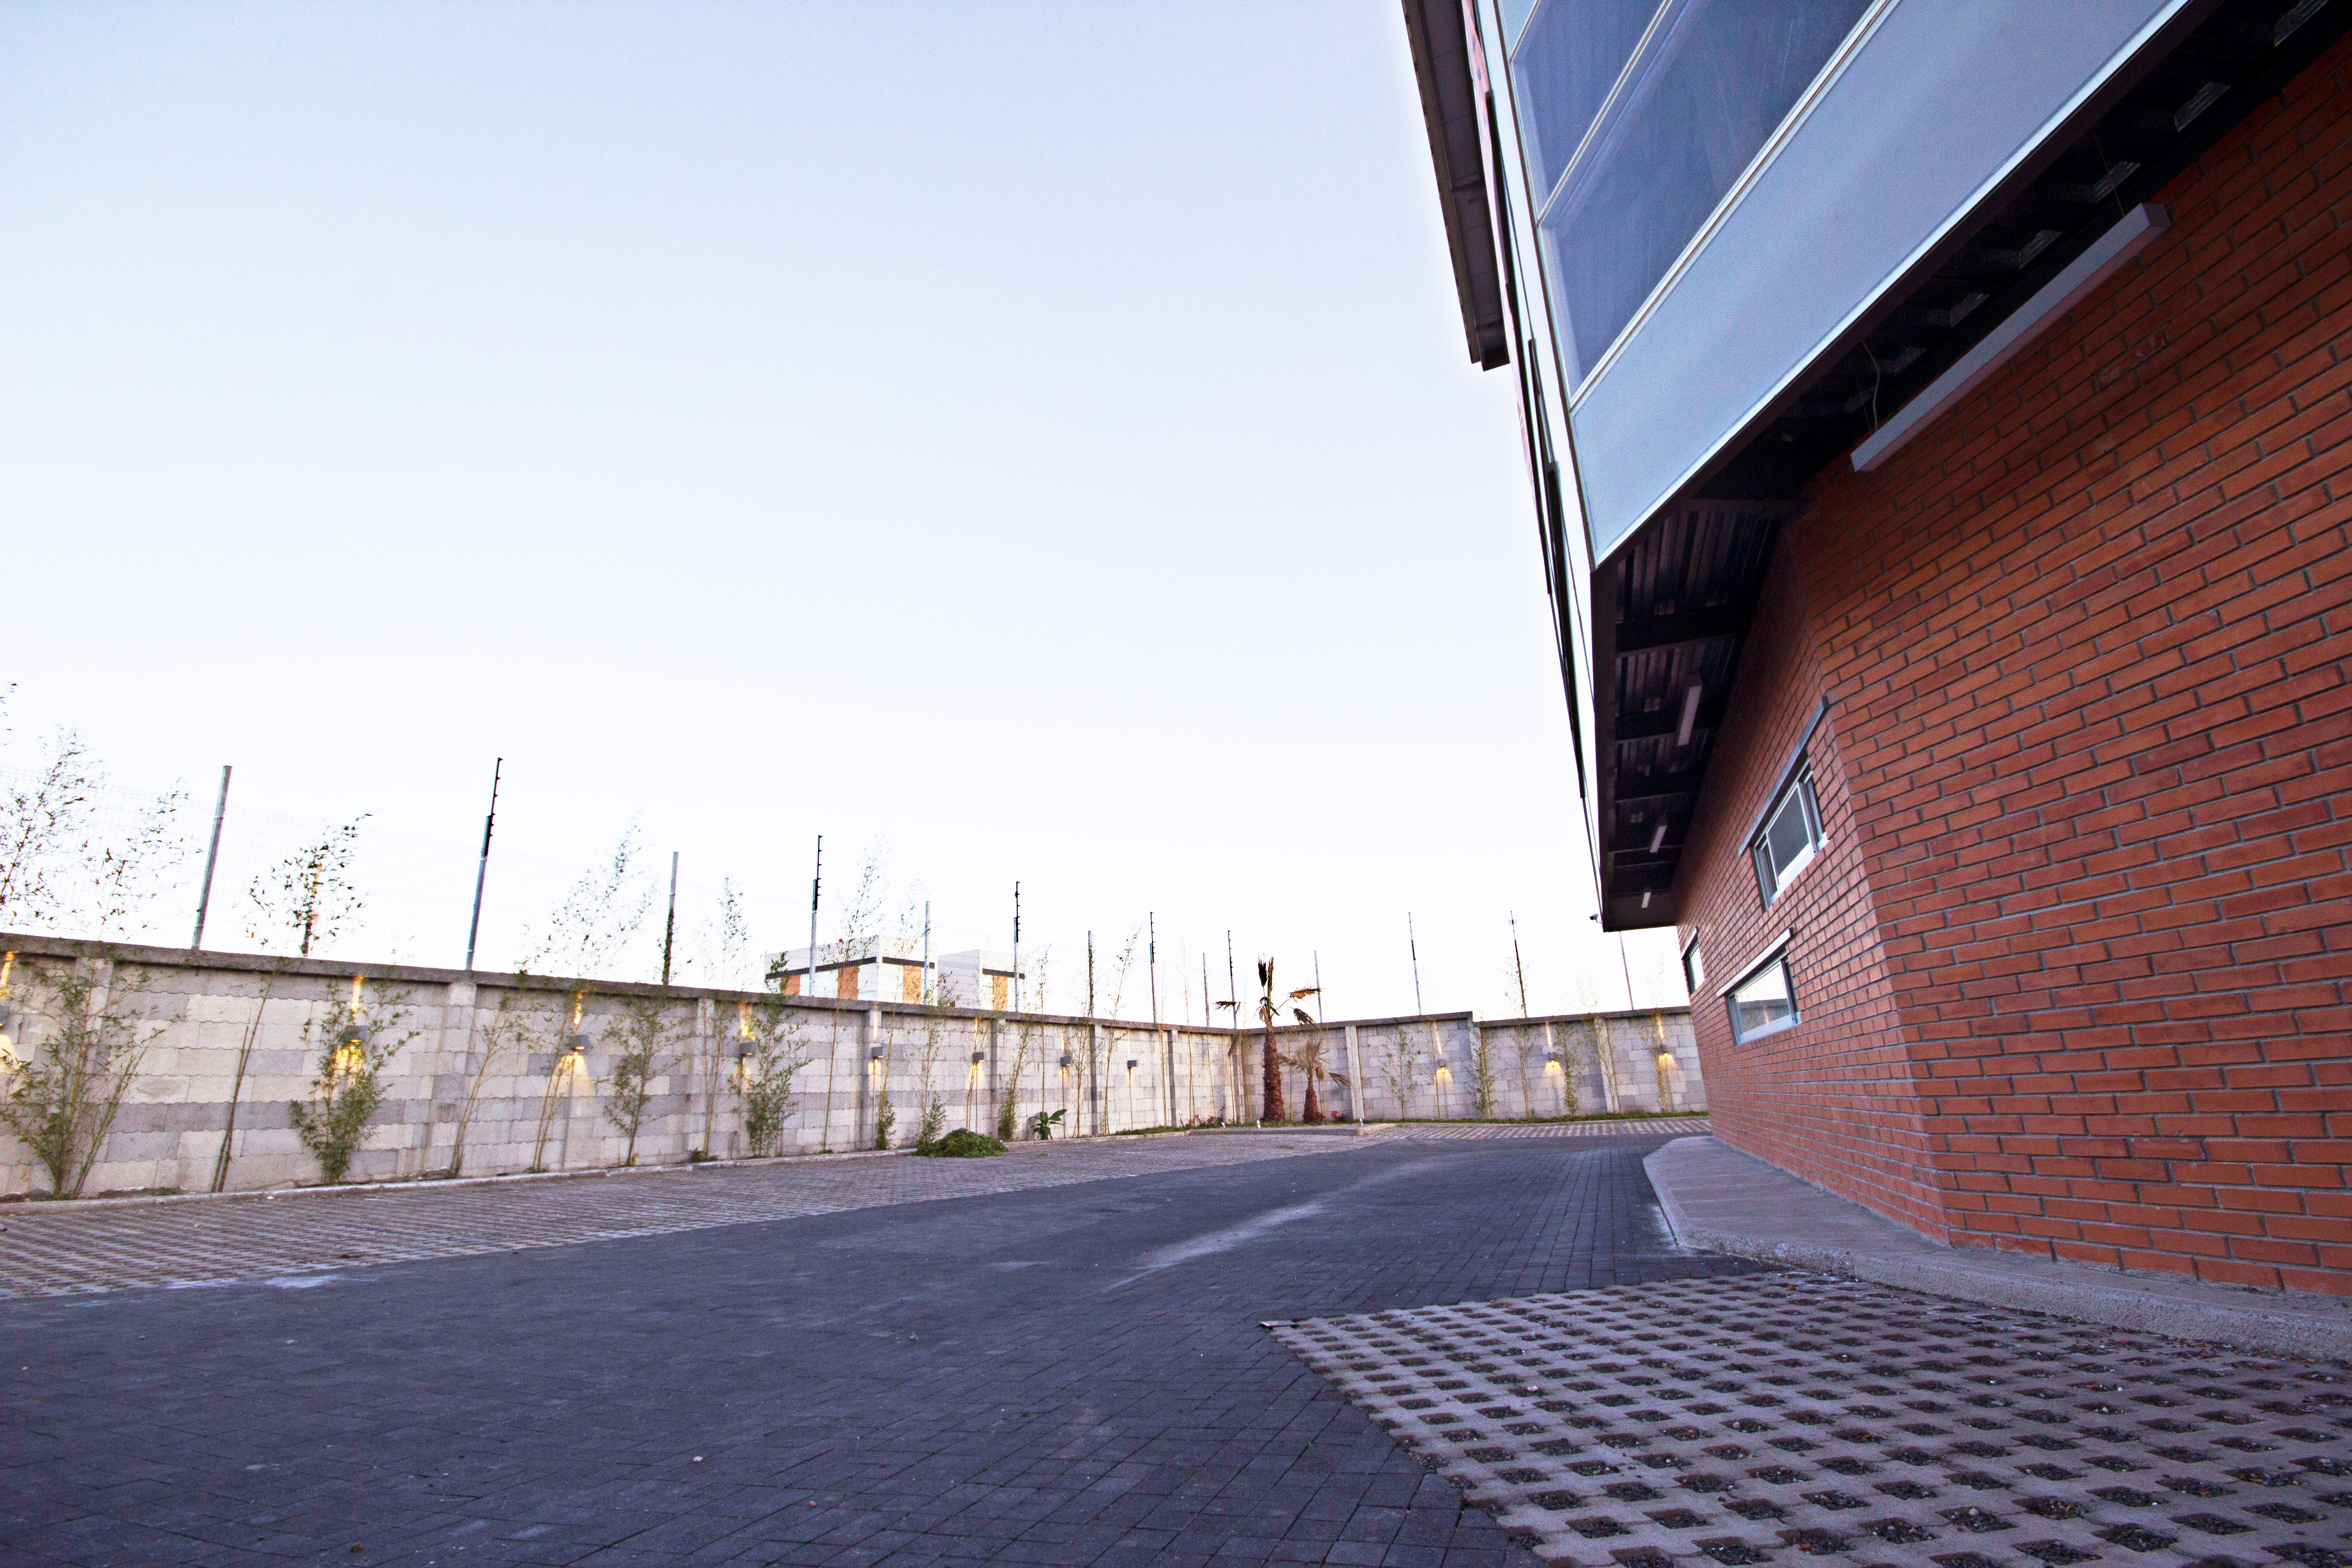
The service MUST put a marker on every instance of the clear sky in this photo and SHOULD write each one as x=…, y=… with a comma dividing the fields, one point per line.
x=1035, y=439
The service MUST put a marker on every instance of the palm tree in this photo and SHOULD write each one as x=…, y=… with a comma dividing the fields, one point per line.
x=1308, y=1060
x=1269, y=1013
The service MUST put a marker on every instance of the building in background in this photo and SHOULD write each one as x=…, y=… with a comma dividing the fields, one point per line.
x=1937, y=417
x=890, y=969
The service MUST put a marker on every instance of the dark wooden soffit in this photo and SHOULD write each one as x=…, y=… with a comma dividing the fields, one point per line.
x=1450, y=107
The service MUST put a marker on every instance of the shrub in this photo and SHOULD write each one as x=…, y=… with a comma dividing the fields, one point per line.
x=355, y=1040
x=961, y=1144
x=1042, y=1125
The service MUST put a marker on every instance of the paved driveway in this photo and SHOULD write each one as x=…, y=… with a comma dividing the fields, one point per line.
x=1067, y=1373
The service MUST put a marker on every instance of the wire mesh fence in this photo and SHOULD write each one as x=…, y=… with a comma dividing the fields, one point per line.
x=90, y=858
x=381, y=896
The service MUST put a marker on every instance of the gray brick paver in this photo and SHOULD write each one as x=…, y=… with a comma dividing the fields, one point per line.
x=867, y=1358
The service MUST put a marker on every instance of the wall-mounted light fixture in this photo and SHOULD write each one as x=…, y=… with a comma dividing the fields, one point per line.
x=1065, y=1061
x=576, y=1044
x=2060, y=294
x=9, y=1061
x=978, y=1057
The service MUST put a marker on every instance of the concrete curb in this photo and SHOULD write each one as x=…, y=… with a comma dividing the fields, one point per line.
x=1717, y=1199
x=411, y=1184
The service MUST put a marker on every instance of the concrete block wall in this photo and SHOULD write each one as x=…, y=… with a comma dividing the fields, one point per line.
x=530, y=1106
x=1426, y=1068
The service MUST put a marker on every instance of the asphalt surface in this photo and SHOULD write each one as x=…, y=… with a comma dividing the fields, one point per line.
x=1073, y=1374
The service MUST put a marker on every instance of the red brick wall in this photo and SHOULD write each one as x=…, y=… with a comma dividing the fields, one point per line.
x=1832, y=1099
x=2086, y=643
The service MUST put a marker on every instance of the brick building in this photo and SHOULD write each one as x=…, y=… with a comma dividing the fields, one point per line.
x=1944, y=510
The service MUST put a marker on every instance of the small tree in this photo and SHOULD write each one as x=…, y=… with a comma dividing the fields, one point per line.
x=768, y=1038
x=308, y=899
x=597, y=919
x=1484, y=1071
x=1605, y=1061
x=643, y=1038
x=1008, y=1103
x=62, y=1103
x=517, y=1028
x=356, y=1038
x=935, y=1106
x=58, y=871
x=1307, y=1060
x=1529, y=1046
x=1269, y=1013
x=885, y=1115
x=1400, y=1066
x=571, y=1062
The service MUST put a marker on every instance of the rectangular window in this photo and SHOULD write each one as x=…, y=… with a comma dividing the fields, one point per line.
x=1694, y=969
x=1791, y=835
x=1764, y=1003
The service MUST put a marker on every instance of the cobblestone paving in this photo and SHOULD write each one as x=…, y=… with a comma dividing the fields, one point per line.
x=1792, y=1417
x=1065, y=1375
x=46, y=1250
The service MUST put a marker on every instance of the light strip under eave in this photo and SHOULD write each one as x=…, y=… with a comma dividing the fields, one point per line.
x=2106, y=256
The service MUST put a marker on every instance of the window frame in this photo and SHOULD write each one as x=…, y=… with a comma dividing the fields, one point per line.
x=1775, y=955
x=1694, y=967
x=1797, y=789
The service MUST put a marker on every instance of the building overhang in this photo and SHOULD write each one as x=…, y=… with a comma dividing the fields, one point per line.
x=1671, y=606
x=1675, y=581
x=1452, y=107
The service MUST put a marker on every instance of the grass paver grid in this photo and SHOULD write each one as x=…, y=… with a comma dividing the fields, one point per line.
x=1791, y=1416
